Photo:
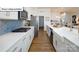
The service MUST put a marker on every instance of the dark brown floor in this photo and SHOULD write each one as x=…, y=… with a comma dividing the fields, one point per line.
x=41, y=43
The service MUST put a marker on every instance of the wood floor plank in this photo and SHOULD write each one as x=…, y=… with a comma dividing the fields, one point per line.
x=41, y=43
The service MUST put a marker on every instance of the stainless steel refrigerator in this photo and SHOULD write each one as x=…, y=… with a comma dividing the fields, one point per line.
x=34, y=22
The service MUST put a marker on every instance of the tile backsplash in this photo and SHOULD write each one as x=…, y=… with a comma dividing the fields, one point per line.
x=9, y=25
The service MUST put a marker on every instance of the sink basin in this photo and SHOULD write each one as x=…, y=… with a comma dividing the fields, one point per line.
x=21, y=30
x=73, y=31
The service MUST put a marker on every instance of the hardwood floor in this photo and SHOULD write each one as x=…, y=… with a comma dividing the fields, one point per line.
x=41, y=43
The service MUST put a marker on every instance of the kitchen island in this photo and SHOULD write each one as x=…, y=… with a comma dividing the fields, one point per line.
x=16, y=41
x=65, y=40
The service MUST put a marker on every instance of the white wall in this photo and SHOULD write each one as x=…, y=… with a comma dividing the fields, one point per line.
x=77, y=14
x=67, y=18
x=42, y=12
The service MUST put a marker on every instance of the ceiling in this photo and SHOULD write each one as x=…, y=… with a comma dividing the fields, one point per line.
x=60, y=9
x=66, y=9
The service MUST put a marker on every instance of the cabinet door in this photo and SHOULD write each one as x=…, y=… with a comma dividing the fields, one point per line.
x=32, y=33
x=7, y=15
x=17, y=47
x=61, y=47
x=71, y=47
x=2, y=15
x=26, y=43
x=13, y=16
x=58, y=43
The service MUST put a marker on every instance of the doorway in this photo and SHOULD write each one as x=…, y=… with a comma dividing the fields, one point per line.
x=41, y=22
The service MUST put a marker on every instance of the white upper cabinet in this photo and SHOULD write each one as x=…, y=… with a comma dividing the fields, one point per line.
x=13, y=15
x=9, y=15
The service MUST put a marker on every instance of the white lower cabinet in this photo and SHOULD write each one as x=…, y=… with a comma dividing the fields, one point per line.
x=62, y=44
x=58, y=43
x=23, y=44
x=26, y=43
x=17, y=47
x=27, y=40
x=71, y=47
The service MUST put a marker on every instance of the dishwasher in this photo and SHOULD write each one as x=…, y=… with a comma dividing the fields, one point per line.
x=51, y=36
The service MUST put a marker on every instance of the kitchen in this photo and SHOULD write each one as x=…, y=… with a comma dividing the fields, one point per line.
x=40, y=29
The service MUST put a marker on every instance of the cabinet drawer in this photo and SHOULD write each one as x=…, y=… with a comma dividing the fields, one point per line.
x=26, y=43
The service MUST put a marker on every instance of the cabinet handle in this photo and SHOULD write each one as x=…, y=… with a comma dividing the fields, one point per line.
x=14, y=50
x=56, y=42
x=20, y=50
